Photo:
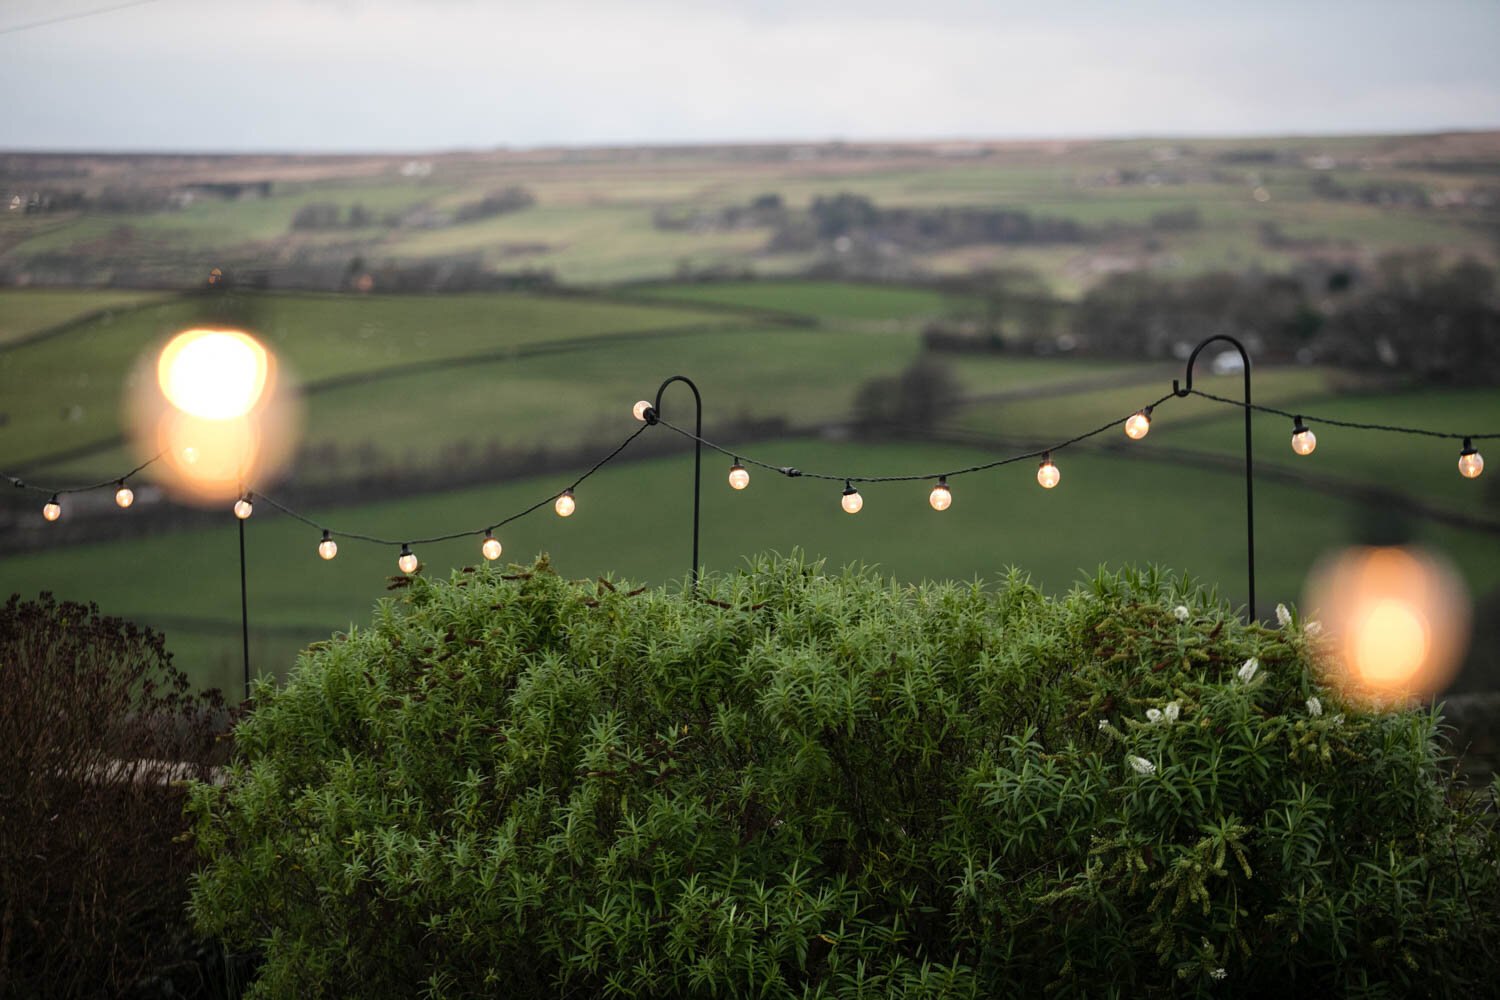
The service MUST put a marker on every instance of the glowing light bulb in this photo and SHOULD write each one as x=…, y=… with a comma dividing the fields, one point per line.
x=941, y=498
x=216, y=374
x=328, y=548
x=738, y=477
x=1303, y=440
x=1047, y=474
x=640, y=409
x=1138, y=425
x=243, y=508
x=1470, y=462
x=124, y=496
x=52, y=510
x=565, y=504
x=852, y=501
x=490, y=547
x=407, y=561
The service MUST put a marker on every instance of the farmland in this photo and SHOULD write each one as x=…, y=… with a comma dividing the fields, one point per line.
x=427, y=374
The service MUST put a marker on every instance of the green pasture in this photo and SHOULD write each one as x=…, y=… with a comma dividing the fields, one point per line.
x=66, y=391
x=633, y=523
x=26, y=311
x=827, y=301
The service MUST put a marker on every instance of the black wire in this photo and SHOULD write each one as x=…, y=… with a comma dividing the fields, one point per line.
x=23, y=485
x=789, y=471
x=73, y=17
x=1339, y=423
x=457, y=534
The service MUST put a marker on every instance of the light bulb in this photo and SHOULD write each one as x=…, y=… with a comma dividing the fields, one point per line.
x=1047, y=473
x=243, y=508
x=328, y=548
x=852, y=501
x=124, y=496
x=941, y=497
x=1139, y=424
x=1303, y=440
x=1470, y=462
x=52, y=510
x=407, y=561
x=565, y=504
x=490, y=547
x=640, y=409
x=738, y=477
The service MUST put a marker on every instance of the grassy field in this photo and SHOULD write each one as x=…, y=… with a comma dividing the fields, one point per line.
x=505, y=375
x=633, y=522
x=26, y=311
x=592, y=221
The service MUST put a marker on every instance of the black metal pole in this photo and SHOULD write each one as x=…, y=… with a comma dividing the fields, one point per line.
x=244, y=611
x=1249, y=478
x=697, y=457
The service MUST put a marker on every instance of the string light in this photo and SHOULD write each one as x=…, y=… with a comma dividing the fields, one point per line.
x=852, y=501
x=1046, y=473
x=407, y=560
x=941, y=498
x=1303, y=440
x=490, y=547
x=1471, y=465
x=1470, y=462
x=1138, y=425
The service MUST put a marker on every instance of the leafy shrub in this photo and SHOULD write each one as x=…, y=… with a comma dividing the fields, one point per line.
x=798, y=784
x=93, y=867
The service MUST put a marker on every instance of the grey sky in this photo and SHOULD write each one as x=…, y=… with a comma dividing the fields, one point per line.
x=341, y=75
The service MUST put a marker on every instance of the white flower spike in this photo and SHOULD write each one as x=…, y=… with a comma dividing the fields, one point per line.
x=1181, y=612
x=1142, y=765
x=1313, y=628
x=1217, y=974
x=1103, y=725
x=1172, y=711
x=1283, y=615
x=1314, y=706
x=1154, y=714
x=1247, y=671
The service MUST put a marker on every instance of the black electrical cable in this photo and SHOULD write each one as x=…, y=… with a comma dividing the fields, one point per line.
x=21, y=484
x=1337, y=423
x=789, y=471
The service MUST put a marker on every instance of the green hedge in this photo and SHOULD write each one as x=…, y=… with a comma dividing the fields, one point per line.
x=812, y=785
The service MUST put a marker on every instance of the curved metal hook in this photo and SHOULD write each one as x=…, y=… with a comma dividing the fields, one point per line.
x=1249, y=477
x=654, y=414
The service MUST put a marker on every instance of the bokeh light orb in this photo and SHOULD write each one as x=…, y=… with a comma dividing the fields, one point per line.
x=214, y=374
x=1396, y=617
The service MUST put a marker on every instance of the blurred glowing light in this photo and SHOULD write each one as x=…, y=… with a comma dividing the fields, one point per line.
x=1397, y=619
x=407, y=560
x=52, y=510
x=565, y=504
x=124, y=496
x=328, y=548
x=1303, y=440
x=490, y=547
x=738, y=477
x=243, y=508
x=216, y=374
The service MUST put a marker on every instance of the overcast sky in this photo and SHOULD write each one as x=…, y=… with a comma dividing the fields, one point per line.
x=352, y=75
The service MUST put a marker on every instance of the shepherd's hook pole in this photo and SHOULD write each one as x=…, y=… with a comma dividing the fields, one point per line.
x=1249, y=480
x=244, y=611
x=651, y=418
